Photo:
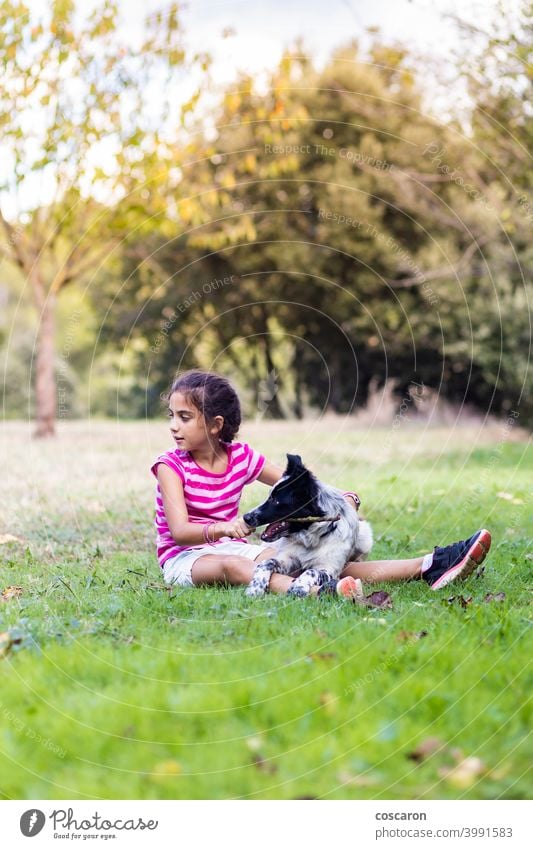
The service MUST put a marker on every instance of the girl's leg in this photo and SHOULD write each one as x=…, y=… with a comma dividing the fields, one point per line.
x=232, y=569
x=384, y=570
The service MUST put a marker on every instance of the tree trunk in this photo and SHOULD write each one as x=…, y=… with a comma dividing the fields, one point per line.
x=271, y=385
x=334, y=401
x=45, y=381
x=271, y=405
x=298, y=388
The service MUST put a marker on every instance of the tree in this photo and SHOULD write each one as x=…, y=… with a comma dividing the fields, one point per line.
x=331, y=212
x=499, y=74
x=90, y=126
x=363, y=235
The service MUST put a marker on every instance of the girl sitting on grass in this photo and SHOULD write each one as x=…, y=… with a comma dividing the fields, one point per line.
x=201, y=539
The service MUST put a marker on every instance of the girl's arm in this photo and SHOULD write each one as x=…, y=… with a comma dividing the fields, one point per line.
x=183, y=531
x=270, y=474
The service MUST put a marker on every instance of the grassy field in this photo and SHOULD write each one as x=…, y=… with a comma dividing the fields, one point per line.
x=115, y=687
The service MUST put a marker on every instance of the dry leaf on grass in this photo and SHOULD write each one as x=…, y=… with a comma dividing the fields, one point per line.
x=494, y=597
x=263, y=765
x=509, y=496
x=322, y=655
x=10, y=592
x=254, y=743
x=380, y=598
x=411, y=635
x=464, y=602
x=346, y=777
x=169, y=768
x=5, y=538
x=425, y=749
x=463, y=774
x=7, y=641
x=328, y=702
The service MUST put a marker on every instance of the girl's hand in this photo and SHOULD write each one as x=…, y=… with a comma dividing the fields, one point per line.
x=235, y=529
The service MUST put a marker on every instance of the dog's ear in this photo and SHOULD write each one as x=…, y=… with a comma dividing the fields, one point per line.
x=294, y=464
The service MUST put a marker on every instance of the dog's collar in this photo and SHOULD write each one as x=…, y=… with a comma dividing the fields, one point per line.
x=330, y=528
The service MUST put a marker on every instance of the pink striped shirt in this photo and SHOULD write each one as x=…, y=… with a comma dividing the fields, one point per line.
x=207, y=495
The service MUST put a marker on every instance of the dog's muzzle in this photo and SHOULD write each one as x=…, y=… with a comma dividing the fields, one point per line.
x=275, y=530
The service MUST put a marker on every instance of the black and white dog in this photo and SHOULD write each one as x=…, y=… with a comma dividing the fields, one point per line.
x=318, y=549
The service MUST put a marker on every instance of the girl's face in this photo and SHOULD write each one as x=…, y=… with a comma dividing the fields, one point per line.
x=188, y=426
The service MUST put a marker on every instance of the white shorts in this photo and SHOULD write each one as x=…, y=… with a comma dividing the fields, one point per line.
x=178, y=569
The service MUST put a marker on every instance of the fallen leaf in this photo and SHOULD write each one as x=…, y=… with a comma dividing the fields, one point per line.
x=322, y=655
x=169, y=767
x=411, y=635
x=254, y=743
x=508, y=496
x=346, y=777
x=328, y=702
x=464, y=602
x=501, y=772
x=425, y=749
x=7, y=641
x=5, y=538
x=464, y=774
x=380, y=598
x=262, y=764
x=11, y=592
x=494, y=597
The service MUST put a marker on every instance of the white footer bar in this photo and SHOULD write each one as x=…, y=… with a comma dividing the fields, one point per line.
x=309, y=824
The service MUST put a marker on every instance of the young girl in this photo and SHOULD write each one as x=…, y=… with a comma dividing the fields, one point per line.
x=201, y=539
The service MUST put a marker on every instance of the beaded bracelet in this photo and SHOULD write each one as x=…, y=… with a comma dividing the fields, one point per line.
x=207, y=525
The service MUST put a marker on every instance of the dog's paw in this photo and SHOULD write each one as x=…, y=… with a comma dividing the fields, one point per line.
x=254, y=591
x=297, y=591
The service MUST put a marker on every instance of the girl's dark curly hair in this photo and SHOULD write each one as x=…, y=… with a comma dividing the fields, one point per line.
x=212, y=395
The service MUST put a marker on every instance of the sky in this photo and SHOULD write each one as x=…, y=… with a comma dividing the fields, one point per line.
x=259, y=30
x=264, y=27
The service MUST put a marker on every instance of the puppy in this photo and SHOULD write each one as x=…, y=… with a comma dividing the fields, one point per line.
x=318, y=547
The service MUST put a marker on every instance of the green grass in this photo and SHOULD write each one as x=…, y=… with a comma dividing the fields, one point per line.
x=120, y=688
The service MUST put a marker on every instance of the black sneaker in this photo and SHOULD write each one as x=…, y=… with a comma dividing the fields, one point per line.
x=457, y=560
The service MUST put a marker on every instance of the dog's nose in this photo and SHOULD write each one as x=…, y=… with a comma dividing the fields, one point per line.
x=247, y=517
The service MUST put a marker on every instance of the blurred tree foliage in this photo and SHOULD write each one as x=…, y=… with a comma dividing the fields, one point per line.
x=86, y=150
x=364, y=240
x=321, y=234
x=499, y=83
